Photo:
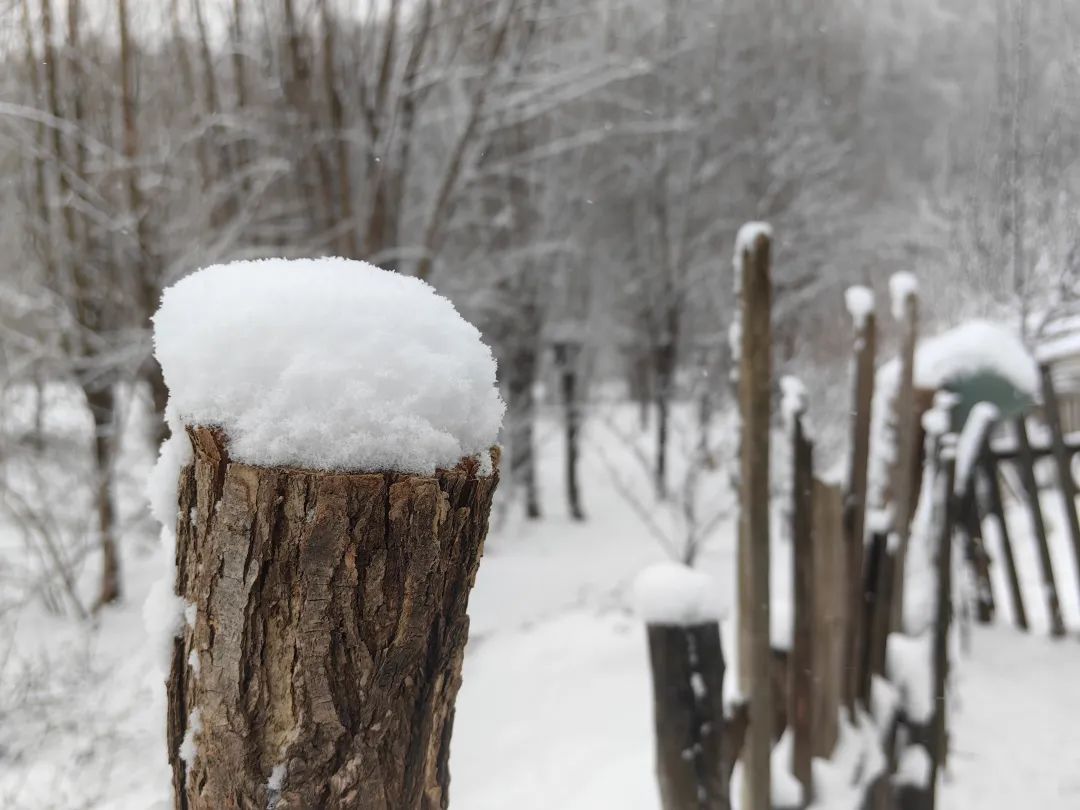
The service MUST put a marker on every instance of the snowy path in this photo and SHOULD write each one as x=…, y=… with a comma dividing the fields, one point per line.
x=1016, y=730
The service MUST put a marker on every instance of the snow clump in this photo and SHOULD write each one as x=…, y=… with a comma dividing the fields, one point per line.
x=327, y=364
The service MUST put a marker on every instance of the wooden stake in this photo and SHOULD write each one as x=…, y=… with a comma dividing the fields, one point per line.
x=940, y=742
x=755, y=378
x=801, y=688
x=905, y=493
x=1026, y=467
x=877, y=586
x=830, y=614
x=688, y=711
x=326, y=635
x=988, y=464
x=855, y=502
x=968, y=508
x=1062, y=459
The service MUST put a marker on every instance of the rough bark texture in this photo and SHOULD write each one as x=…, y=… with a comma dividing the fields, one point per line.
x=688, y=678
x=328, y=632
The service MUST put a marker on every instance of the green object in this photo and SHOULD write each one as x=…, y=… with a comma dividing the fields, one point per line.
x=986, y=386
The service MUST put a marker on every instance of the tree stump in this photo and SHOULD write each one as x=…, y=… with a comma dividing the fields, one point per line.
x=326, y=630
x=688, y=677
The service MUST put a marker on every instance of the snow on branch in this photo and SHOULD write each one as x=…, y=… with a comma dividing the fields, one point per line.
x=327, y=364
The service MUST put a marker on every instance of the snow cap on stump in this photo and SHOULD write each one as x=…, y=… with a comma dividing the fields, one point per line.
x=327, y=364
x=671, y=593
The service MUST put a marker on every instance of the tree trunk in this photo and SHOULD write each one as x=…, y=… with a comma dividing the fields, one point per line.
x=521, y=415
x=568, y=358
x=102, y=405
x=327, y=625
x=688, y=678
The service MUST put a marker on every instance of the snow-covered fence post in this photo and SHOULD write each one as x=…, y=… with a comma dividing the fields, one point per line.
x=1062, y=459
x=801, y=686
x=687, y=661
x=905, y=305
x=754, y=286
x=989, y=468
x=329, y=527
x=860, y=303
x=1025, y=465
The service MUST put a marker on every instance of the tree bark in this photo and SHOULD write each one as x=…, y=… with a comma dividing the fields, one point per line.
x=327, y=625
x=688, y=677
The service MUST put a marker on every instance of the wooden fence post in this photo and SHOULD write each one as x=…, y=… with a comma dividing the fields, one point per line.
x=328, y=635
x=752, y=257
x=1061, y=458
x=977, y=555
x=939, y=738
x=1026, y=466
x=688, y=712
x=830, y=607
x=973, y=436
x=693, y=750
x=801, y=687
x=877, y=579
x=903, y=478
x=988, y=464
x=865, y=348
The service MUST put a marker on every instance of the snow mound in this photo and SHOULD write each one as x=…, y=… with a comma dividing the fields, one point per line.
x=675, y=594
x=747, y=235
x=972, y=347
x=792, y=399
x=327, y=364
x=860, y=304
x=902, y=287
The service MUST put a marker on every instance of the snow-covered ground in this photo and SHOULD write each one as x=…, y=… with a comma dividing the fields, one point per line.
x=554, y=713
